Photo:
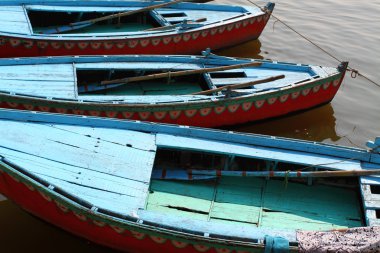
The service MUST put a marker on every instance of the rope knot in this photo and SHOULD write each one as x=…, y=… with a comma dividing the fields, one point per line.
x=354, y=73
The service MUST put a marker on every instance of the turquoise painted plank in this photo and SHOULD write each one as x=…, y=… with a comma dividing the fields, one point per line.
x=102, y=199
x=211, y=16
x=219, y=147
x=173, y=202
x=136, y=139
x=370, y=198
x=153, y=88
x=240, y=193
x=314, y=199
x=15, y=27
x=238, y=200
x=138, y=65
x=16, y=15
x=235, y=212
x=14, y=20
x=179, y=198
x=146, y=99
x=51, y=72
x=293, y=221
x=160, y=209
x=9, y=8
x=56, y=89
x=371, y=218
x=202, y=190
x=268, y=142
x=72, y=8
x=73, y=174
x=81, y=150
x=242, y=230
x=371, y=180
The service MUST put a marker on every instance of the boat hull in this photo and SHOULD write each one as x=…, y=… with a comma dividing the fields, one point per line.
x=187, y=42
x=102, y=231
x=229, y=111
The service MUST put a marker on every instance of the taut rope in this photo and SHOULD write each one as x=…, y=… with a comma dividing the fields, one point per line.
x=354, y=72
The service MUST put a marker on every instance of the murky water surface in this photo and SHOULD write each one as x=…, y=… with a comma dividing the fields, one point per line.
x=348, y=29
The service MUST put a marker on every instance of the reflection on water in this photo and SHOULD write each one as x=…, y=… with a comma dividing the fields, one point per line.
x=315, y=125
x=20, y=232
x=251, y=49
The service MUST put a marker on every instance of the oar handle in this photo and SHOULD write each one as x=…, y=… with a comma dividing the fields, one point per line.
x=240, y=85
x=290, y=174
x=126, y=13
x=180, y=73
x=176, y=25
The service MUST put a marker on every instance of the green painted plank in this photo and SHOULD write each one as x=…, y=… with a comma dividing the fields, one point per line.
x=238, y=200
x=235, y=212
x=125, y=27
x=173, y=200
x=294, y=221
x=323, y=201
x=180, y=198
x=201, y=190
x=250, y=182
x=243, y=191
x=174, y=212
x=291, y=206
x=153, y=88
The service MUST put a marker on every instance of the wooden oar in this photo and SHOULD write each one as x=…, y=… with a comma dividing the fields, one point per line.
x=179, y=73
x=85, y=23
x=239, y=85
x=300, y=174
x=176, y=25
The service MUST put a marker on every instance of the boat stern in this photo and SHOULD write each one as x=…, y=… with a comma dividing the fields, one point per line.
x=343, y=66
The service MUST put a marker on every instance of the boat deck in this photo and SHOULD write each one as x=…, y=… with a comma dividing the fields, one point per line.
x=109, y=168
x=258, y=202
x=53, y=80
x=13, y=19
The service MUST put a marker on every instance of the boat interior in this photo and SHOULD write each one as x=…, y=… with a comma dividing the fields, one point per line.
x=84, y=81
x=261, y=202
x=133, y=23
x=17, y=18
x=128, y=172
x=88, y=83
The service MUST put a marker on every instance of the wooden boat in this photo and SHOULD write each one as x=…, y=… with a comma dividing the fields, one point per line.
x=204, y=91
x=143, y=187
x=124, y=27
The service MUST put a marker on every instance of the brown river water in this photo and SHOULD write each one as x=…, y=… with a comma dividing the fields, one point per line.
x=348, y=29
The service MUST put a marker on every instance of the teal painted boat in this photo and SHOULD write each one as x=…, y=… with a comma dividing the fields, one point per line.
x=100, y=27
x=139, y=187
x=206, y=91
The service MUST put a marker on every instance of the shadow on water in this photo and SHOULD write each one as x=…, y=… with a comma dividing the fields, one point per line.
x=36, y=235
x=318, y=124
x=250, y=49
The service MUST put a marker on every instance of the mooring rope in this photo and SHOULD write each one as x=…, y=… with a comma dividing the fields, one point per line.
x=354, y=72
